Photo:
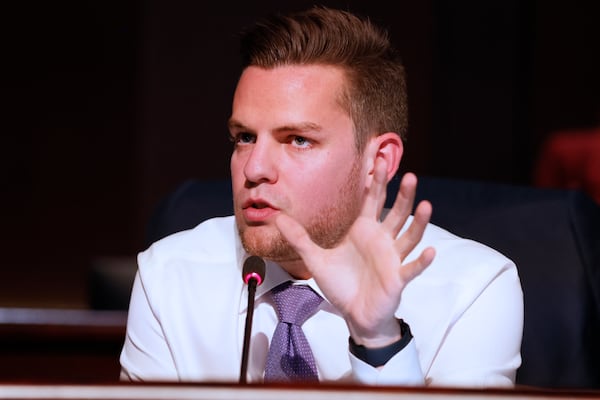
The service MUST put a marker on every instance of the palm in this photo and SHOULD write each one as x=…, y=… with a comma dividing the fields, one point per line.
x=365, y=262
x=364, y=275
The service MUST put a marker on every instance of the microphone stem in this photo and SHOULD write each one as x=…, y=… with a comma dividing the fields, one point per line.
x=248, y=329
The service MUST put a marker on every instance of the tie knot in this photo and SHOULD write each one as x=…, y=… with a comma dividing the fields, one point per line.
x=295, y=303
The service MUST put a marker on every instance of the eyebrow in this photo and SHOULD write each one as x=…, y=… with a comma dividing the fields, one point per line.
x=233, y=124
x=296, y=127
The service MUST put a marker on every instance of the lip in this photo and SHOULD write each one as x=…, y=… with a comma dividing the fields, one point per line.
x=258, y=210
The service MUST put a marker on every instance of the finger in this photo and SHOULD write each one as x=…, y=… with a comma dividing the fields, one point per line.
x=377, y=191
x=413, y=235
x=298, y=238
x=395, y=219
x=411, y=270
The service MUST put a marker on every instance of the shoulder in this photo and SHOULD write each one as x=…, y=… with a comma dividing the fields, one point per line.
x=462, y=272
x=184, y=280
x=212, y=238
x=463, y=269
x=457, y=257
x=196, y=251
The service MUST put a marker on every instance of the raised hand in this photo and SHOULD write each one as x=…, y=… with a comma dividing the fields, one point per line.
x=364, y=275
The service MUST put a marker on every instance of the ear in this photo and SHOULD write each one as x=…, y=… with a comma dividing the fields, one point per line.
x=390, y=147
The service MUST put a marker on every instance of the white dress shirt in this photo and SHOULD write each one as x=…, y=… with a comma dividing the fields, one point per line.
x=188, y=308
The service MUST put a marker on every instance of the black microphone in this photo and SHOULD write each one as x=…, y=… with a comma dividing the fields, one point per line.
x=253, y=274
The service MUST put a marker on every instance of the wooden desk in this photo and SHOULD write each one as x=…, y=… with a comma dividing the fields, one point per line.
x=74, y=354
x=51, y=345
x=271, y=392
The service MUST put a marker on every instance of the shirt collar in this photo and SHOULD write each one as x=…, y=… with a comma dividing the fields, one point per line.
x=274, y=275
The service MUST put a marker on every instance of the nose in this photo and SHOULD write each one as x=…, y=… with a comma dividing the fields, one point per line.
x=261, y=164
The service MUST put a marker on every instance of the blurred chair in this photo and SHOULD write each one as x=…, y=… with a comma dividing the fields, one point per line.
x=193, y=202
x=570, y=160
x=110, y=280
x=552, y=235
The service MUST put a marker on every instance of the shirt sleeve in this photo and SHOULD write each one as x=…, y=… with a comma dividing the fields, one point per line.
x=145, y=354
x=482, y=346
x=402, y=369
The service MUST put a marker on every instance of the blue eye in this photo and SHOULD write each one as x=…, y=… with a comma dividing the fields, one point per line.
x=243, y=138
x=300, y=141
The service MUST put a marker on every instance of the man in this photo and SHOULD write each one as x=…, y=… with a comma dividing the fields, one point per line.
x=317, y=123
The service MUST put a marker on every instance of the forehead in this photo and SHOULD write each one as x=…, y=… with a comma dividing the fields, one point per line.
x=292, y=85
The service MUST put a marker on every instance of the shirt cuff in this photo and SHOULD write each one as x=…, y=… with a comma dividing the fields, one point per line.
x=403, y=369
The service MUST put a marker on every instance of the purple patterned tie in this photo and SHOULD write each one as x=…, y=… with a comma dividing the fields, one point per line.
x=290, y=358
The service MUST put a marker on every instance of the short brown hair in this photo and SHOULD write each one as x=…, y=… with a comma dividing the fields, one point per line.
x=375, y=97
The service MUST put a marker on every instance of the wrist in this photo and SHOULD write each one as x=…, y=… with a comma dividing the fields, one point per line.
x=383, y=334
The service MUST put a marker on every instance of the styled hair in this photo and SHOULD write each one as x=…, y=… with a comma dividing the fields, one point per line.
x=375, y=89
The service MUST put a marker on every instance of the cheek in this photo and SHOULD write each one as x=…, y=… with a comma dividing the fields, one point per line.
x=328, y=184
x=234, y=162
x=237, y=177
x=236, y=168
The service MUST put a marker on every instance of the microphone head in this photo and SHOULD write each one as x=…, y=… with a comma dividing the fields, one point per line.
x=254, y=268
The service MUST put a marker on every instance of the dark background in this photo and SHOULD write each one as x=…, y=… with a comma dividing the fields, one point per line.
x=109, y=105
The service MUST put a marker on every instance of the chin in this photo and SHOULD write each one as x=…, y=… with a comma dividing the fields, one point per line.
x=266, y=242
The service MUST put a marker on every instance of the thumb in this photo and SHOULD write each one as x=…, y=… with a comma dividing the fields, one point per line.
x=298, y=238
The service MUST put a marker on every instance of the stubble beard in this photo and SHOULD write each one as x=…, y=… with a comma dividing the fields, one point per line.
x=327, y=228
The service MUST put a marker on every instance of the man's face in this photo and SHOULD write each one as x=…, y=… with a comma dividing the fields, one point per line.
x=294, y=153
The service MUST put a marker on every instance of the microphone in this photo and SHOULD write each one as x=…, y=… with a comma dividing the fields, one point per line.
x=253, y=274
